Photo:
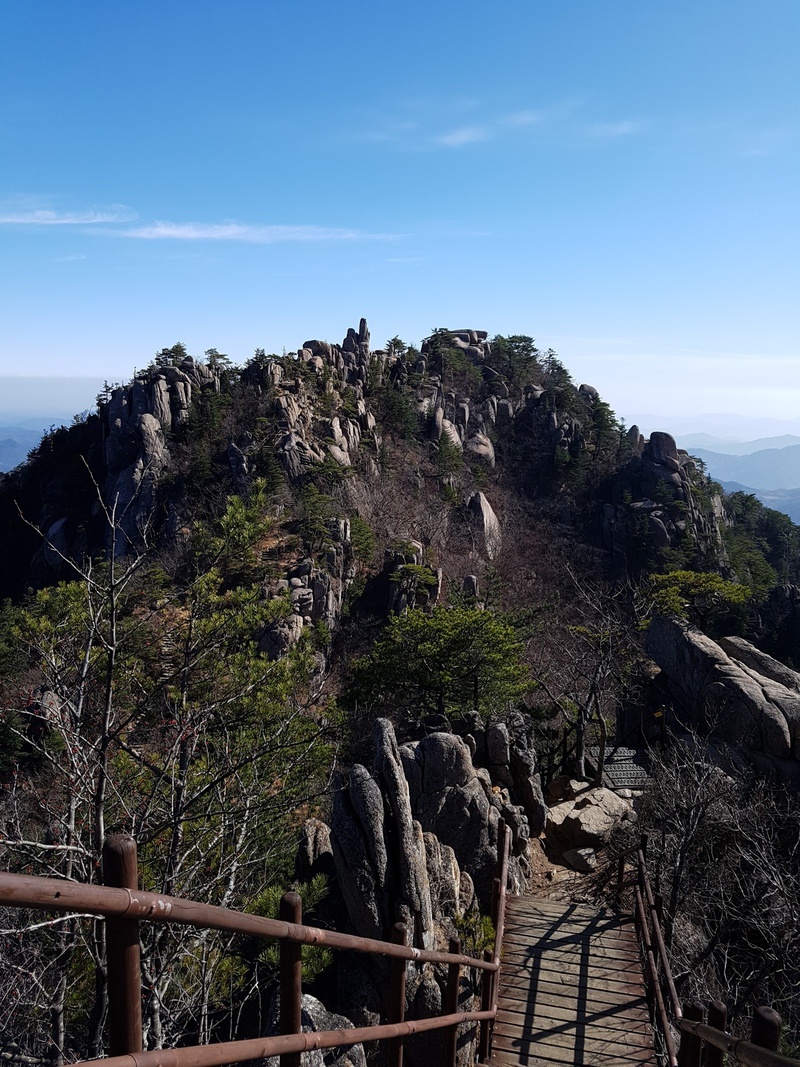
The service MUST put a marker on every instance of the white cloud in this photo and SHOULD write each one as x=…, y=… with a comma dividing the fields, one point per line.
x=463, y=135
x=47, y=217
x=234, y=231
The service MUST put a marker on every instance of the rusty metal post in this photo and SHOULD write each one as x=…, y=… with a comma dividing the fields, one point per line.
x=120, y=870
x=487, y=978
x=451, y=1004
x=291, y=968
x=766, y=1030
x=691, y=1046
x=659, y=905
x=620, y=874
x=397, y=997
x=718, y=1018
x=495, y=904
x=502, y=829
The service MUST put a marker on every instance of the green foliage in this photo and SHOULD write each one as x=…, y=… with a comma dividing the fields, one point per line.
x=449, y=457
x=458, y=370
x=230, y=543
x=476, y=932
x=170, y=357
x=265, y=957
x=167, y=721
x=556, y=375
x=763, y=545
x=316, y=511
x=362, y=538
x=700, y=598
x=515, y=356
x=452, y=660
x=396, y=412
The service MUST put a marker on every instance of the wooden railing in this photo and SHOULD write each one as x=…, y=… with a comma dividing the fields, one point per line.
x=124, y=906
x=701, y=1041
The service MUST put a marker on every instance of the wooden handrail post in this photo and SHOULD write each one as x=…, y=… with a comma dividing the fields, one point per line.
x=397, y=997
x=451, y=1004
x=291, y=968
x=766, y=1030
x=487, y=978
x=691, y=1045
x=718, y=1018
x=120, y=870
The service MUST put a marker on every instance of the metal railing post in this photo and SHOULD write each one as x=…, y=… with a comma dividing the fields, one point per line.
x=718, y=1018
x=451, y=1004
x=120, y=870
x=766, y=1029
x=488, y=977
x=495, y=902
x=691, y=1045
x=620, y=873
x=291, y=977
x=397, y=997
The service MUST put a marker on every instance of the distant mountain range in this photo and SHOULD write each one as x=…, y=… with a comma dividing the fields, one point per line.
x=769, y=468
x=692, y=441
x=17, y=441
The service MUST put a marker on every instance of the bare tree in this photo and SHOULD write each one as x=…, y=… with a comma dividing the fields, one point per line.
x=147, y=707
x=725, y=851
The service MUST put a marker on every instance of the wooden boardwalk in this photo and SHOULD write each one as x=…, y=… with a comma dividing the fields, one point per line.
x=571, y=989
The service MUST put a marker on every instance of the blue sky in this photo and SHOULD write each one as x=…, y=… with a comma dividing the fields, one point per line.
x=618, y=179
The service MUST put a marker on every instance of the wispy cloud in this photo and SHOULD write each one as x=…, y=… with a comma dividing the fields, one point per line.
x=462, y=136
x=47, y=217
x=520, y=119
x=249, y=234
x=615, y=129
x=426, y=125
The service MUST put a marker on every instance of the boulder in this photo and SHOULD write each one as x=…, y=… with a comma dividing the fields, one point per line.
x=450, y=432
x=719, y=696
x=479, y=506
x=449, y=799
x=413, y=884
x=583, y=860
x=479, y=446
x=358, y=880
x=663, y=449
x=588, y=820
x=314, y=851
x=315, y=1017
x=747, y=655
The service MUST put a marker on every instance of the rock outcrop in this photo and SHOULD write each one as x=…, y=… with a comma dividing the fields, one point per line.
x=662, y=511
x=314, y=1017
x=586, y=820
x=735, y=696
x=487, y=523
x=417, y=839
